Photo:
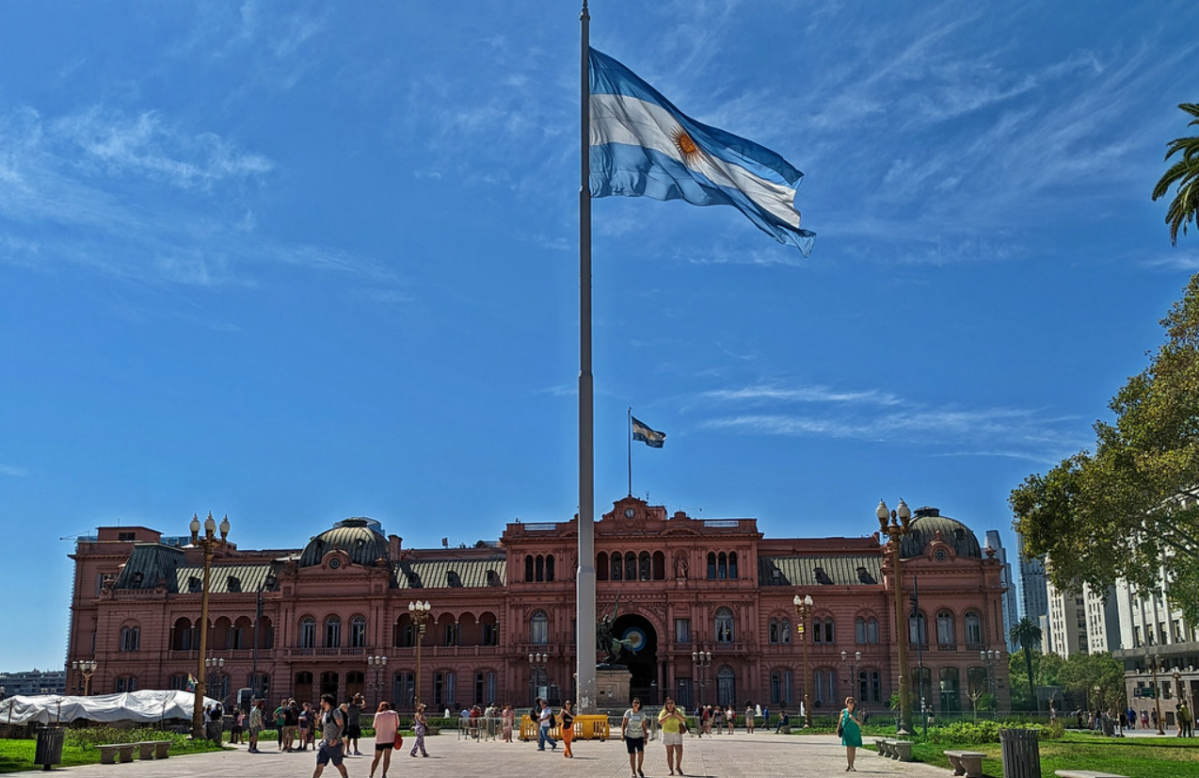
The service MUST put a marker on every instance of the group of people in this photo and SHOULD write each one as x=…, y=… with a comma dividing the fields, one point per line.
x=720, y=718
x=1183, y=718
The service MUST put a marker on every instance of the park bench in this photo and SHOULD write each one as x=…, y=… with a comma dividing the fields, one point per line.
x=967, y=763
x=1085, y=774
x=110, y=752
x=154, y=749
x=895, y=749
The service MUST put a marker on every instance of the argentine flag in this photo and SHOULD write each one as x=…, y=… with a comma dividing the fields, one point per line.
x=642, y=146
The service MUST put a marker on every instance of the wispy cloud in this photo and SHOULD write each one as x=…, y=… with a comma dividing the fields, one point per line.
x=881, y=416
x=13, y=472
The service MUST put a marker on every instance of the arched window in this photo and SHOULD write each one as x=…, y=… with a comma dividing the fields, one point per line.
x=722, y=565
x=540, y=568
x=630, y=566
x=711, y=565
x=725, y=632
x=774, y=636
x=644, y=569
x=539, y=628
x=183, y=635
x=829, y=634
x=977, y=680
x=945, y=631
x=659, y=566
x=918, y=629
x=785, y=628
x=308, y=632
x=333, y=632
x=950, y=690
x=823, y=631
x=358, y=632
x=859, y=630
x=601, y=566
x=732, y=564
x=780, y=687
x=872, y=630
x=974, y=629
x=617, y=566
x=826, y=687
x=549, y=567
x=726, y=686
x=131, y=638
x=528, y=567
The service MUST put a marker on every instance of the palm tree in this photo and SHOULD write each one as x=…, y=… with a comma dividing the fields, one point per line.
x=1184, y=176
x=1027, y=635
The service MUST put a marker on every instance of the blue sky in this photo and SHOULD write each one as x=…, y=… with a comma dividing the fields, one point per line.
x=299, y=261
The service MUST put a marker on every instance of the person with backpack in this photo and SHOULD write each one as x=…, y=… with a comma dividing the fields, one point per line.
x=332, y=723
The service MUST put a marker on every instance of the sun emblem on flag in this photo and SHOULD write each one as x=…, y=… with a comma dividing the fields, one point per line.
x=685, y=145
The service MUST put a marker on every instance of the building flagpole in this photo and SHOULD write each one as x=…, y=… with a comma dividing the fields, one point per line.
x=585, y=584
x=629, y=441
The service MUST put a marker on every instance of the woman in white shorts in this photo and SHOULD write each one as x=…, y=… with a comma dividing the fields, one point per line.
x=673, y=724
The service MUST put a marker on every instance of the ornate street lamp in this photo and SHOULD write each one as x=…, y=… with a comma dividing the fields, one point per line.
x=702, y=661
x=87, y=667
x=1155, y=661
x=210, y=543
x=852, y=661
x=899, y=525
x=537, y=665
x=269, y=584
x=990, y=658
x=803, y=609
x=377, y=662
x=215, y=667
x=420, y=613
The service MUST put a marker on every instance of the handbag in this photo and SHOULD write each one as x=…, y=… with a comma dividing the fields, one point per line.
x=399, y=742
x=841, y=724
x=682, y=728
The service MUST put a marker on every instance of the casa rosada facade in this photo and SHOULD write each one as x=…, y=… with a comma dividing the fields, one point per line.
x=334, y=616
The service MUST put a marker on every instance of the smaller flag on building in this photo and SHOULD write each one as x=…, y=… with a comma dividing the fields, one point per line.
x=649, y=437
x=191, y=683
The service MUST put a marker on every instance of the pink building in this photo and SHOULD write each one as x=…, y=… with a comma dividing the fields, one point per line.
x=316, y=619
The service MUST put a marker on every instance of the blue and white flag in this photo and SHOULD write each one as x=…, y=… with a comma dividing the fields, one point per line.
x=651, y=438
x=642, y=146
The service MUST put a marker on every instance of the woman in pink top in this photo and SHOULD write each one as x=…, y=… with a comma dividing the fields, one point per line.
x=387, y=722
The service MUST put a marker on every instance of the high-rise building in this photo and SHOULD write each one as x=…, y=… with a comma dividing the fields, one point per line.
x=1034, y=598
x=1011, y=611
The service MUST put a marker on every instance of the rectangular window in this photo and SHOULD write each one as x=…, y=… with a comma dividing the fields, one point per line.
x=491, y=634
x=405, y=688
x=451, y=634
x=408, y=636
x=682, y=630
x=439, y=698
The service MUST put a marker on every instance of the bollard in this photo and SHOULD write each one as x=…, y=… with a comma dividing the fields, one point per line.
x=1021, y=753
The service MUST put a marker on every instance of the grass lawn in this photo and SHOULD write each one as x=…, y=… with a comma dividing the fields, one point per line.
x=17, y=755
x=1165, y=757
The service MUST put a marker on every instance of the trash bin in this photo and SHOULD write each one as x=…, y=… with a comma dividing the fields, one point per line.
x=49, y=746
x=1021, y=753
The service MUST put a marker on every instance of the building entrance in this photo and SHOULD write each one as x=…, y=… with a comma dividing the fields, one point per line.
x=640, y=655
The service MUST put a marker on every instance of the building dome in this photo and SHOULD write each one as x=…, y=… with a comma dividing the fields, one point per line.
x=354, y=536
x=926, y=523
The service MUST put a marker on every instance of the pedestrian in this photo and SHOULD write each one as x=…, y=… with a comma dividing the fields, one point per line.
x=1184, y=720
x=851, y=732
x=633, y=729
x=730, y=718
x=673, y=723
x=705, y=724
x=749, y=718
x=784, y=719
x=507, y=721
x=1144, y=719
x=332, y=722
x=305, y=725
x=566, y=725
x=420, y=725
x=291, y=725
x=545, y=720
x=354, y=724
x=717, y=719
x=239, y=718
x=387, y=725
x=255, y=724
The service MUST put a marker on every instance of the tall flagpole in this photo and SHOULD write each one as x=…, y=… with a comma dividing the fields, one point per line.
x=585, y=585
x=629, y=441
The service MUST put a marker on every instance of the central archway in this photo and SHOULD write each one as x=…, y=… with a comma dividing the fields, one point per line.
x=640, y=655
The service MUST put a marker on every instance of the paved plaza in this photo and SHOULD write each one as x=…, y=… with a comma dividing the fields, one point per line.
x=761, y=755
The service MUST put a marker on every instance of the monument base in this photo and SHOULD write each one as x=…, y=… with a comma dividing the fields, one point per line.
x=612, y=686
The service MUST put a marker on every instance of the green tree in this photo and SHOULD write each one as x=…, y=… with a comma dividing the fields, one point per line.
x=1183, y=175
x=1098, y=679
x=1027, y=635
x=1131, y=509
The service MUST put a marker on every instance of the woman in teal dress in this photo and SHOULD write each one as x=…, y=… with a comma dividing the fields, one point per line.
x=851, y=731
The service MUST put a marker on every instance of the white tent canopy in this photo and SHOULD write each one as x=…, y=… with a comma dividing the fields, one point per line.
x=146, y=707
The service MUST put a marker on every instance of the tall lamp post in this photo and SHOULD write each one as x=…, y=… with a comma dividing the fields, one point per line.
x=87, y=667
x=420, y=614
x=1154, y=662
x=537, y=664
x=210, y=543
x=377, y=662
x=895, y=529
x=268, y=583
x=702, y=661
x=216, y=666
x=990, y=658
x=852, y=661
x=803, y=609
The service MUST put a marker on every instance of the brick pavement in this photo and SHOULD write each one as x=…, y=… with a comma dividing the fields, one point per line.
x=761, y=755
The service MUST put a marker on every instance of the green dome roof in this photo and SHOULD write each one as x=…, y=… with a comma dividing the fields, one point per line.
x=353, y=536
x=924, y=528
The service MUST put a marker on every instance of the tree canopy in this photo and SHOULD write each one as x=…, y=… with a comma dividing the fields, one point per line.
x=1131, y=509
